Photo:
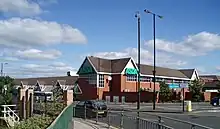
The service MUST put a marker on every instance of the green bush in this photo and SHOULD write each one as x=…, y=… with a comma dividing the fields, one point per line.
x=35, y=122
x=39, y=121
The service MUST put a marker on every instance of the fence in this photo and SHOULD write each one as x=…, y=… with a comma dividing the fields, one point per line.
x=129, y=120
x=64, y=120
x=117, y=119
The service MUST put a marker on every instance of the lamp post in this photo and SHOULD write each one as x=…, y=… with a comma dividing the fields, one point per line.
x=2, y=68
x=154, y=69
x=137, y=15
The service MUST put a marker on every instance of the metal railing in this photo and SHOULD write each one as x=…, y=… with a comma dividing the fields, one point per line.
x=118, y=119
x=9, y=115
x=175, y=123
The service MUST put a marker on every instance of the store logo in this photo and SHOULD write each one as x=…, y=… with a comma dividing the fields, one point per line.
x=131, y=71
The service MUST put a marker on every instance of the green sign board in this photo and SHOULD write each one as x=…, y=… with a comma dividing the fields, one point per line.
x=131, y=71
x=86, y=70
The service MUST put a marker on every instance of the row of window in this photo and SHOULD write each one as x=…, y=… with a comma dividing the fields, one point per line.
x=149, y=79
x=92, y=79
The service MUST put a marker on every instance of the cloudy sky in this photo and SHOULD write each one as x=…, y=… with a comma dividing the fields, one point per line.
x=51, y=37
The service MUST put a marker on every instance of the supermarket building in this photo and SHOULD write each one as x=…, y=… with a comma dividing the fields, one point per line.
x=101, y=78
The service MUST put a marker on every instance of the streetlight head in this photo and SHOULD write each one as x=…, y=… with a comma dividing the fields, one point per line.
x=137, y=15
x=160, y=16
x=147, y=11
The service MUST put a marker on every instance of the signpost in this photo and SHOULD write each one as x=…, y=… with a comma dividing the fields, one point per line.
x=183, y=85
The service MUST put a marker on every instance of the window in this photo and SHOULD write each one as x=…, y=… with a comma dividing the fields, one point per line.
x=101, y=80
x=159, y=79
x=177, y=81
x=131, y=77
x=168, y=81
x=145, y=79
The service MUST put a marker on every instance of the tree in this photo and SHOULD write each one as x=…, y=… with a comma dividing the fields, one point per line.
x=165, y=91
x=6, y=89
x=195, y=87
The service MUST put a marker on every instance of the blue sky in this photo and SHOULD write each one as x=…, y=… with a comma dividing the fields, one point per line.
x=50, y=37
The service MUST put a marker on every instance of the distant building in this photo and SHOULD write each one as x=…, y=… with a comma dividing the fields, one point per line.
x=211, y=83
x=99, y=75
x=46, y=85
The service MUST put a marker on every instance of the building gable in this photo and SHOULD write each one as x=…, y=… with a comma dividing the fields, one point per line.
x=195, y=75
x=130, y=68
x=86, y=68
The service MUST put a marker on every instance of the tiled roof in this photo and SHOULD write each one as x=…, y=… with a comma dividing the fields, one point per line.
x=187, y=72
x=70, y=80
x=212, y=85
x=211, y=77
x=47, y=82
x=117, y=66
x=107, y=65
x=161, y=71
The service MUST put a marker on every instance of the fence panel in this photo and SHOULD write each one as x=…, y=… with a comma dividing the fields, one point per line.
x=64, y=120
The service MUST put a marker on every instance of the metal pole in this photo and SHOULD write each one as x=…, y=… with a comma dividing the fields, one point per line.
x=154, y=71
x=139, y=56
x=2, y=69
x=183, y=100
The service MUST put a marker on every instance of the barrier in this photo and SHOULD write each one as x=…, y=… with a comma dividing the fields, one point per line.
x=64, y=120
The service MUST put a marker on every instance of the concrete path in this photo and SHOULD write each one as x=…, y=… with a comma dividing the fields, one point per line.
x=89, y=124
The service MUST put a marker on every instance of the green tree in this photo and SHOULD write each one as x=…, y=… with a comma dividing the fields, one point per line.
x=6, y=89
x=195, y=87
x=165, y=91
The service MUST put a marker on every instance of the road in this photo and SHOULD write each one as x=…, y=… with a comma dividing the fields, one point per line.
x=202, y=114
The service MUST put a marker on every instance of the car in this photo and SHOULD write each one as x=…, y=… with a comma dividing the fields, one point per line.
x=215, y=101
x=91, y=109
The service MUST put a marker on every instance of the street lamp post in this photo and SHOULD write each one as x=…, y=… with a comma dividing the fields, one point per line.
x=137, y=15
x=154, y=68
x=2, y=68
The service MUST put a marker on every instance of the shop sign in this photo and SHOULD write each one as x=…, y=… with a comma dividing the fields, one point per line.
x=131, y=71
x=174, y=85
x=183, y=85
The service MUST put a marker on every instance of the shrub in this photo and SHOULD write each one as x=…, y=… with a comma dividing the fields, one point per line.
x=35, y=122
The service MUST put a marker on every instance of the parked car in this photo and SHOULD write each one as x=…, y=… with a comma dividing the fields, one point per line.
x=91, y=108
x=215, y=101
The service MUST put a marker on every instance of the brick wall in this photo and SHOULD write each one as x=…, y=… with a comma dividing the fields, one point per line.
x=132, y=86
x=89, y=91
x=131, y=96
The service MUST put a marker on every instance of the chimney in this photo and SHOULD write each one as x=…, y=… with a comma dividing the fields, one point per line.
x=68, y=73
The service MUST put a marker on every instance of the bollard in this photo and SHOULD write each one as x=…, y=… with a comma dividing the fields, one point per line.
x=97, y=117
x=108, y=118
x=121, y=121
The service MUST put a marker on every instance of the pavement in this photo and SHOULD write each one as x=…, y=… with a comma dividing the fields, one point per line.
x=89, y=124
x=202, y=113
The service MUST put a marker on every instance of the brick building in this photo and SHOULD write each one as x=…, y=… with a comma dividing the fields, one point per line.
x=100, y=77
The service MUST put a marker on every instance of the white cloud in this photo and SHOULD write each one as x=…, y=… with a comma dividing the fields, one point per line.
x=21, y=7
x=17, y=32
x=146, y=57
x=41, y=70
x=193, y=45
x=37, y=54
